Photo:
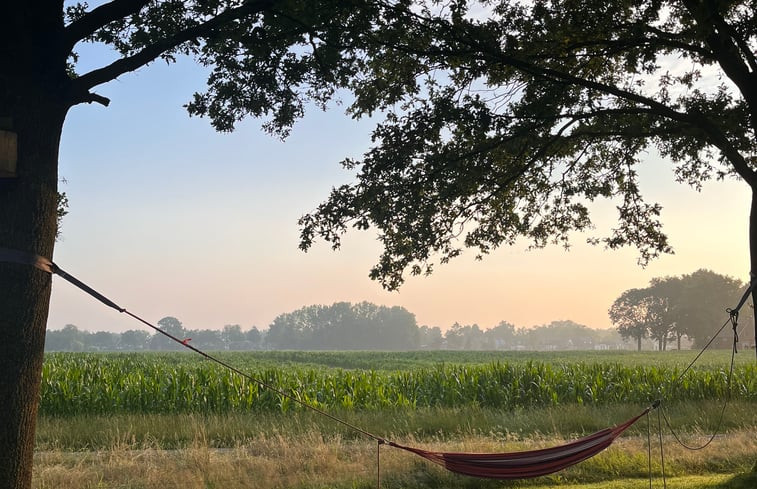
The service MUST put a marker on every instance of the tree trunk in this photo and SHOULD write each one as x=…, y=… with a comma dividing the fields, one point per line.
x=28, y=205
x=638, y=343
x=753, y=254
x=34, y=95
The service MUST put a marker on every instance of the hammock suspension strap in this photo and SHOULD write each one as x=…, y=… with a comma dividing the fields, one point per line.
x=514, y=465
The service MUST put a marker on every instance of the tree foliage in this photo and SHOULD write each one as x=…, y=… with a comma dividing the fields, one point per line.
x=505, y=120
x=500, y=120
x=705, y=297
x=629, y=313
x=694, y=305
x=344, y=326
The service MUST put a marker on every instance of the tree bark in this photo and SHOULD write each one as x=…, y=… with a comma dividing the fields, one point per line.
x=34, y=94
x=753, y=254
x=28, y=205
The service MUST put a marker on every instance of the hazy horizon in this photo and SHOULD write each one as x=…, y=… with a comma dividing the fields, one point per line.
x=169, y=218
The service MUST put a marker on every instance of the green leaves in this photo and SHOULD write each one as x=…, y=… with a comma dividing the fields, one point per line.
x=692, y=305
x=500, y=120
x=502, y=126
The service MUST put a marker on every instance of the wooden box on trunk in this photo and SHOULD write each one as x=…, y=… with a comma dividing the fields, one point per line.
x=8, y=154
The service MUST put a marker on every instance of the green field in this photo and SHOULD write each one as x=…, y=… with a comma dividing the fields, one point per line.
x=99, y=410
x=150, y=383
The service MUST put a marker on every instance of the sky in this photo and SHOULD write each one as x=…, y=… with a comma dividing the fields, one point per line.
x=169, y=218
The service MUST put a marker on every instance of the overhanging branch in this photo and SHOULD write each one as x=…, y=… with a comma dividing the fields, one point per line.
x=709, y=128
x=99, y=18
x=81, y=85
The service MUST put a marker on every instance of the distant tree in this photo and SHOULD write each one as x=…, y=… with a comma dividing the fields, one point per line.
x=401, y=328
x=667, y=291
x=558, y=335
x=703, y=298
x=692, y=305
x=206, y=339
x=103, y=341
x=134, y=339
x=172, y=326
x=344, y=326
x=285, y=331
x=454, y=337
x=255, y=338
x=468, y=337
x=571, y=335
x=69, y=338
x=233, y=337
x=630, y=313
x=430, y=338
x=500, y=336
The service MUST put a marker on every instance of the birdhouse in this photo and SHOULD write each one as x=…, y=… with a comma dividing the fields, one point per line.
x=8, y=154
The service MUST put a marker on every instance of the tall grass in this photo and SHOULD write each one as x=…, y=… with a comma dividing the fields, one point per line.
x=75, y=384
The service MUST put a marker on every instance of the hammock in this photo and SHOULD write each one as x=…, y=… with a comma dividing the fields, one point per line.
x=513, y=465
x=521, y=465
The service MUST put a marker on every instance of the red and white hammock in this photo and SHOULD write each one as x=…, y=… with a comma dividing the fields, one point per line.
x=521, y=465
x=514, y=465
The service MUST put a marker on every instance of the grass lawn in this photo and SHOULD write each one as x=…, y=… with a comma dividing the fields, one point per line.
x=109, y=445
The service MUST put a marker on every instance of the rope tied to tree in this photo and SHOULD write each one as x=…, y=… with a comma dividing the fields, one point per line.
x=501, y=466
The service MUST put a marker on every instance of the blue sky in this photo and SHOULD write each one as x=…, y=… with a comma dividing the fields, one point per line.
x=169, y=218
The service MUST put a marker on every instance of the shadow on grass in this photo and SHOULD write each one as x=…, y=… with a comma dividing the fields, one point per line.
x=741, y=481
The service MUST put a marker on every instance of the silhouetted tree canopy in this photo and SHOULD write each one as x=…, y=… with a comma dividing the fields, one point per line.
x=345, y=326
x=500, y=120
x=505, y=120
x=694, y=305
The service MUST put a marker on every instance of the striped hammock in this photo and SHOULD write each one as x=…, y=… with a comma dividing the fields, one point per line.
x=521, y=465
x=514, y=465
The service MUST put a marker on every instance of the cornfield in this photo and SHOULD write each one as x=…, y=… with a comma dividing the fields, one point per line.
x=74, y=384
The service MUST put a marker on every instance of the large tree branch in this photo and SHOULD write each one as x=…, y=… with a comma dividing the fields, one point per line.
x=717, y=34
x=494, y=53
x=80, y=86
x=661, y=39
x=98, y=18
x=716, y=136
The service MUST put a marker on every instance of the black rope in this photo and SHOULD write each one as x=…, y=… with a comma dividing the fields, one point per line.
x=48, y=266
x=41, y=263
x=662, y=451
x=721, y=418
x=649, y=450
x=701, y=352
x=378, y=463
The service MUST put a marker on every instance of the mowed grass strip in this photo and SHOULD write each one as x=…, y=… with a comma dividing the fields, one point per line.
x=313, y=460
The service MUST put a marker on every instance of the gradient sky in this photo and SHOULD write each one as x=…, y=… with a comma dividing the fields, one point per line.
x=169, y=218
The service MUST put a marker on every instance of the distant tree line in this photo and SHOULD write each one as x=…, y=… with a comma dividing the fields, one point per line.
x=689, y=307
x=231, y=337
x=343, y=326
x=682, y=310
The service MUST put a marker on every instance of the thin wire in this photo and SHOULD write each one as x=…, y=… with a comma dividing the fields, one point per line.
x=50, y=267
x=719, y=424
x=378, y=465
x=649, y=450
x=247, y=376
x=662, y=451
